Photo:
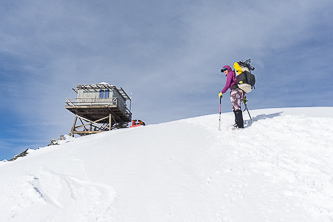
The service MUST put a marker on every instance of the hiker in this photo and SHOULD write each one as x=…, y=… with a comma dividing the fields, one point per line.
x=236, y=95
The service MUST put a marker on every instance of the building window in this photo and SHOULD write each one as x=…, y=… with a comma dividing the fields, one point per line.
x=104, y=94
x=101, y=94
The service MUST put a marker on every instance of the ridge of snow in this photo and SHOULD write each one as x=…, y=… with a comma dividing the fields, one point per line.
x=276, y=169
x=104, y=83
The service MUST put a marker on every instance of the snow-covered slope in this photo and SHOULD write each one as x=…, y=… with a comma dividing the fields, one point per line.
x=279, y=168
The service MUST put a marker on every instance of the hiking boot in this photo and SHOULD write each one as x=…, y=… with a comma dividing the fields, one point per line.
x=239, y=118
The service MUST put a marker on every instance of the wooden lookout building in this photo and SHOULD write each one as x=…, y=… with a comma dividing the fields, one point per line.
x=98, y=107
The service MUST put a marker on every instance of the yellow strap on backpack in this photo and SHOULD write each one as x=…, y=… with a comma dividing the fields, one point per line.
x=238, y=68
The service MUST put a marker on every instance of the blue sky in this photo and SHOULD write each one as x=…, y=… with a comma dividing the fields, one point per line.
x=166, y=54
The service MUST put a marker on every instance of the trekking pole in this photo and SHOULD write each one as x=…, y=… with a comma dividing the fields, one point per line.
x=220, y=114
x=248, y=112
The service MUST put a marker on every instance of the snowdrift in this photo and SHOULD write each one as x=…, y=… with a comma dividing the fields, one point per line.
x=279, y=168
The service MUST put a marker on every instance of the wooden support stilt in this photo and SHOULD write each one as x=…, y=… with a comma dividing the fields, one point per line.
x=90, y=127
x=73, y=127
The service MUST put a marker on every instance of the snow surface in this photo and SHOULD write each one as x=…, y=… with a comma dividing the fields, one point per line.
x=279, y=168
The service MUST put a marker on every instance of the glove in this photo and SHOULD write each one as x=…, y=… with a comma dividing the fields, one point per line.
x=245, y=101
x=220, y=94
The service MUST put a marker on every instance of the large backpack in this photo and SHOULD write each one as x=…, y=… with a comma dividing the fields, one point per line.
x=246, y=80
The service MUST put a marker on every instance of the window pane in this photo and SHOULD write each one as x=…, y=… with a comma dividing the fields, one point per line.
x=101, y=94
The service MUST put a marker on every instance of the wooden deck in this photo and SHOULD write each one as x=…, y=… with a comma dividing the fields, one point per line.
x=93, y=116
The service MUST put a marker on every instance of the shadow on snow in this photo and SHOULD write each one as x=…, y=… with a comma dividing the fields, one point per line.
x=261, y=117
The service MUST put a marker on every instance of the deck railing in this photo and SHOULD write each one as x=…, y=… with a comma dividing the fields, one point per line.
x=90, y=102
x=77, y=102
